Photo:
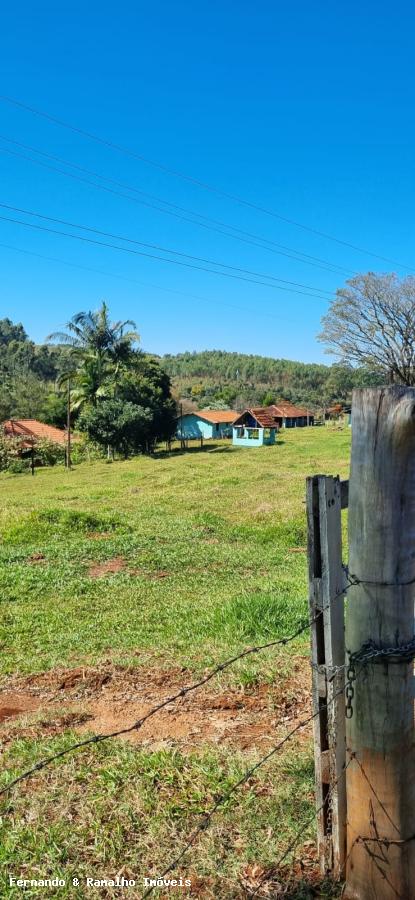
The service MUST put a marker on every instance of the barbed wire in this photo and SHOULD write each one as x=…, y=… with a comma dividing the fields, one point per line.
x=297, y=837
x=383, y=843
x=353, y=755
x=355, y=580
x=359, y=839
x=207, y=818
x=99, y=738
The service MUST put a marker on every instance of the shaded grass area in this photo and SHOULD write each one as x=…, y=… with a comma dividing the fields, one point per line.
x=211, y=551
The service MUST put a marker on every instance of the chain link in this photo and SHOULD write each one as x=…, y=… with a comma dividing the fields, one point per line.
x=351, y=677
x=369, y=652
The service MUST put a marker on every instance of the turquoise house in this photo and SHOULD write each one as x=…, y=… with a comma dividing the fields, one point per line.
x=205, y=423
x=254, y=428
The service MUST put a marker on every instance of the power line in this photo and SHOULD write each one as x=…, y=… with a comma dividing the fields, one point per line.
x=202, y=184
x=175, y=262
x=157, y=287
x=208, y=223
x=159, y=247
x=163, y=250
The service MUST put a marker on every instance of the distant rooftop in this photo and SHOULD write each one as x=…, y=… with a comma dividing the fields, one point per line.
x=217, y=415
x=31, y=430
x=288, y=410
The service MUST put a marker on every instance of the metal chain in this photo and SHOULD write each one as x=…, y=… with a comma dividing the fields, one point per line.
x=351, y=677
x=369, y=651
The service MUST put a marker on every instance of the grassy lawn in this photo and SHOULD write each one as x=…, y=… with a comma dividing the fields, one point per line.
x=164, y=564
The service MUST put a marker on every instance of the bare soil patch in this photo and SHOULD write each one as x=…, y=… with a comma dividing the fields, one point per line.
x=109, y=567
x=108, y=698
x=14, y=704
x=36, y=558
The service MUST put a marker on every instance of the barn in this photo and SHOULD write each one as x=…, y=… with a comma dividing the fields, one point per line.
x=205, y=423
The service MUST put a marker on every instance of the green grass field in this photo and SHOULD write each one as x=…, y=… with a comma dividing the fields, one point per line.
x=157, y=568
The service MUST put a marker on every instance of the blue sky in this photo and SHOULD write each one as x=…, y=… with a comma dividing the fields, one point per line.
x=304, y=109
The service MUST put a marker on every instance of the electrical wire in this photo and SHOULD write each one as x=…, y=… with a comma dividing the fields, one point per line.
x=157, y=287
x=241, y=235
x=159, y=247
x=202, y=184
x=286, y=284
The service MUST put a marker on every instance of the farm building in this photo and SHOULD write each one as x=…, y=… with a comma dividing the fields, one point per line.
x=286, y=415
x=205, y=423
x=254, y=428
x=30, y=431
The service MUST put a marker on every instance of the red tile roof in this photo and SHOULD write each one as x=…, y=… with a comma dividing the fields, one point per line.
x=287, y=410
x=31, y=431
x=217, y=415
x=262, y=416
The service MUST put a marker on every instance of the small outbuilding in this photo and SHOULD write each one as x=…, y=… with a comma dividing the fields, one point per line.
x=254, y=428
x=287, y=415
x=205, y=423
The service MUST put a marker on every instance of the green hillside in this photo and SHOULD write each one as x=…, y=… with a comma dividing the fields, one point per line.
x=218, y=377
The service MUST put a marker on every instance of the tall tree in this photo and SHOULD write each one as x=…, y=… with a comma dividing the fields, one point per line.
x=93, y=331
x=98, y=349
x=372, y=322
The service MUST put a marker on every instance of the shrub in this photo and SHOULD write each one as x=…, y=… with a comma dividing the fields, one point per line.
x=18, y=466
x=49, y=454
x=83, y=450
x=9, y=451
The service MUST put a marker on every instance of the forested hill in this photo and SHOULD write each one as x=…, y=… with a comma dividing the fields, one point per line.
x=217, y=377
x=30, y=378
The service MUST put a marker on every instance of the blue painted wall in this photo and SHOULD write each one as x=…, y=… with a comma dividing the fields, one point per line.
x=241, y=437
x=196, y=427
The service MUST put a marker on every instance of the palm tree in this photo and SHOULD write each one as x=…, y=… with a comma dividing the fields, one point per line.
x=93, y=331
x=98, y=348
x=93, y=380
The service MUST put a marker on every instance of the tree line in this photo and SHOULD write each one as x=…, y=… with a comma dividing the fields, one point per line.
x=126, y=399
x=117, y=395
x=218, y=378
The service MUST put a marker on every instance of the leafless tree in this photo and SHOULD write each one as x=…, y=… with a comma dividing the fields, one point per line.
x=372, y=322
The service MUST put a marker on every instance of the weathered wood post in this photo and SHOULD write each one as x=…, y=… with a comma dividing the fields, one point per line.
x=380, y=732
x=326, y=496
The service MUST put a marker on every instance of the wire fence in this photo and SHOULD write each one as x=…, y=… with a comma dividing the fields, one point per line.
x=300, y=833
x=300, y=628
x=361, y=658
x=207, y=818
x=367, y=653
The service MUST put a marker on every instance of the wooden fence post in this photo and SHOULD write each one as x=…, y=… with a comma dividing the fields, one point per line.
x=325, y=498
x=380, y=732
